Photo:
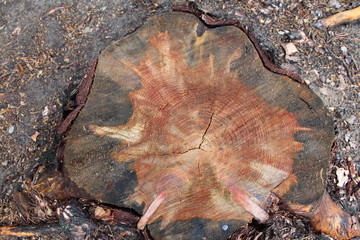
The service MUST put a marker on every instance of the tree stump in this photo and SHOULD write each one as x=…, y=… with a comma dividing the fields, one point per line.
x=185, y=125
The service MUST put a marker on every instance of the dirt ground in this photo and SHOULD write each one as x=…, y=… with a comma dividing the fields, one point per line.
x=48, y=45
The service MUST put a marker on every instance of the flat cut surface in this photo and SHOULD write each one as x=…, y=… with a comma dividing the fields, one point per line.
x=190, y=111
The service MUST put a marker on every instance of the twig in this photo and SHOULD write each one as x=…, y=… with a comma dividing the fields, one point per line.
x=32, y=230
x=55, y=9
x=339, y=18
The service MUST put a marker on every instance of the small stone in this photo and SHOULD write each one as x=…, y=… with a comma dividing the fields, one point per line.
x=342, y=176
x=224, y=227
x=344, y=50
x=45, y=112
x=347, y=136
x=334, y=3
x=11, y=129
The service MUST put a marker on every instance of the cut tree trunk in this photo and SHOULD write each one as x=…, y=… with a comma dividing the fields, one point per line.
x=192, y=126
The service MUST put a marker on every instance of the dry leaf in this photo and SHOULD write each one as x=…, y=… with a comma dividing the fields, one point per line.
x=34, y=136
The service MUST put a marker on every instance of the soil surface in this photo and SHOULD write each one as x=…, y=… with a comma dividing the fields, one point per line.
x=48, y=46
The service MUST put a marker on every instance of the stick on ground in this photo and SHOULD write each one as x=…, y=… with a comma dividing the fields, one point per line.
x=339, y=18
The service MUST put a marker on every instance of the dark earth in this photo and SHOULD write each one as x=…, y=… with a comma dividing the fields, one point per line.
x=48, y=46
